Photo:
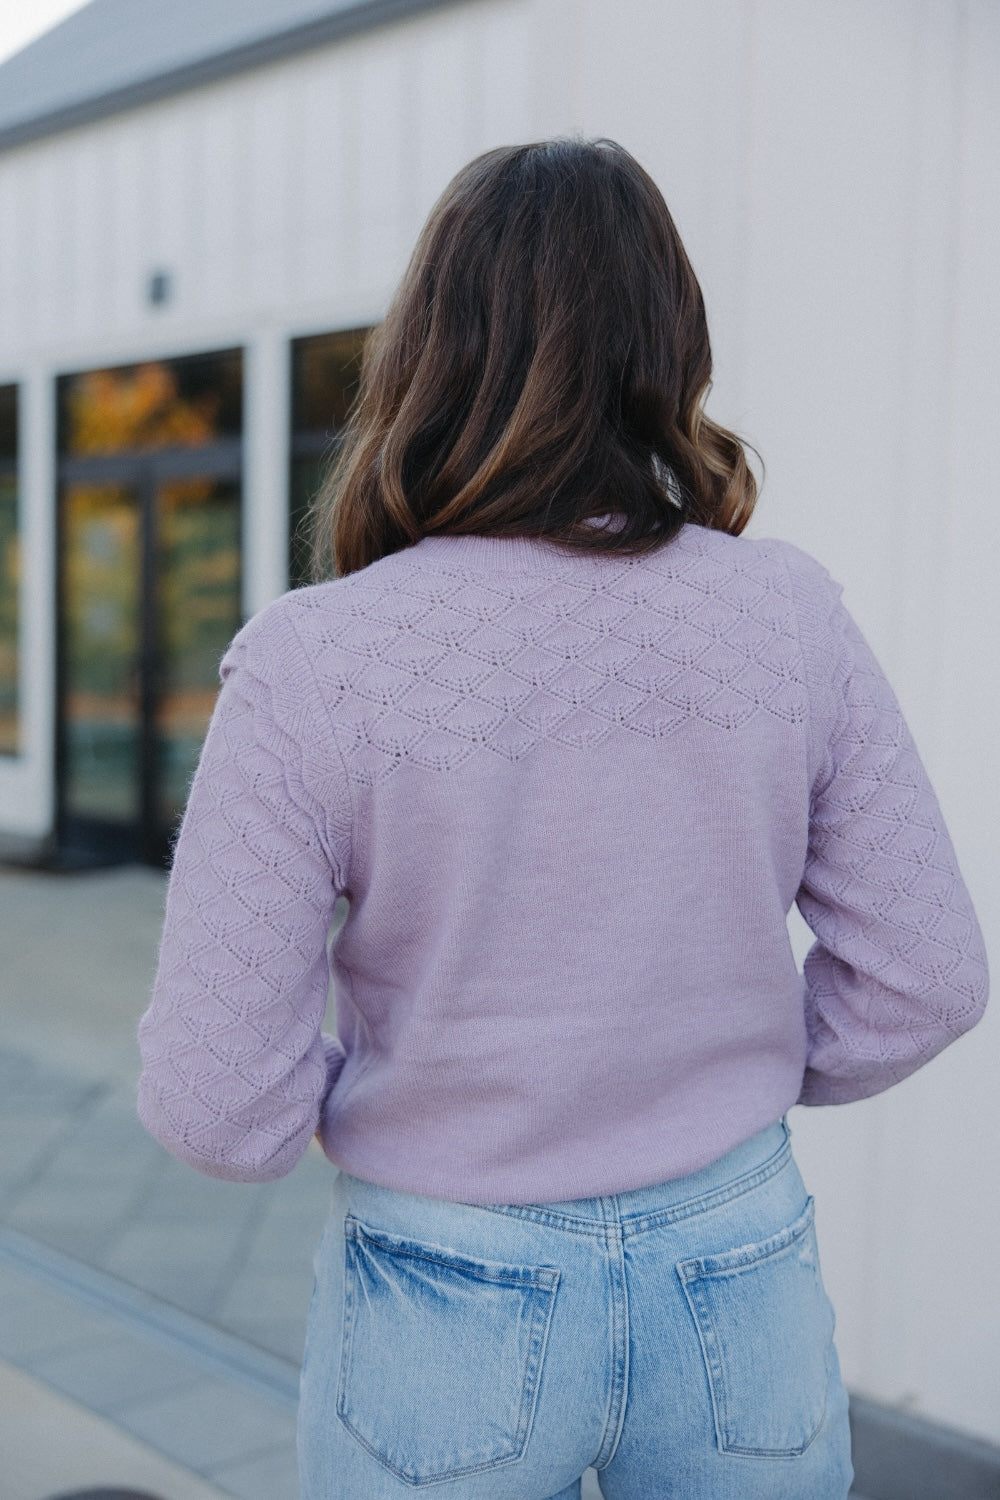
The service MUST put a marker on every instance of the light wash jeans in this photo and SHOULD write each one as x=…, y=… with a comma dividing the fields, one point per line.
x=677, y=1338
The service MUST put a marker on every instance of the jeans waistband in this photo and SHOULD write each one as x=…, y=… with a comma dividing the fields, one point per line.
x=737, y=1172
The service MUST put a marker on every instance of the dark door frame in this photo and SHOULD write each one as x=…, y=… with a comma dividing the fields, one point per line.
x=78, y=841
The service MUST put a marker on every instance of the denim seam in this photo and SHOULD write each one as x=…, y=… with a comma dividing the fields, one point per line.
x=544, y=1277
x=746, y=1257
x=614, y=1417
x=643, y=1223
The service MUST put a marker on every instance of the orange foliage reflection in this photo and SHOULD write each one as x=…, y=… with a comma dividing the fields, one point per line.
x=114, y=410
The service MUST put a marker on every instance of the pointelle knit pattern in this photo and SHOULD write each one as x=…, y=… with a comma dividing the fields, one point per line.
x=571, y=800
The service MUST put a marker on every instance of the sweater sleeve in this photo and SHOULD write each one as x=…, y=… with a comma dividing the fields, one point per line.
x=235, y=1066
x=898, y=969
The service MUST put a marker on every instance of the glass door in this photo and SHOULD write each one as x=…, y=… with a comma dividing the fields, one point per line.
x=101, y=677
x=150, y=599
x=149, y=593
x=198, y=607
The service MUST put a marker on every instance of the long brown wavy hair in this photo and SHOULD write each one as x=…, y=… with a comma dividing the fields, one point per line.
x=545, y=360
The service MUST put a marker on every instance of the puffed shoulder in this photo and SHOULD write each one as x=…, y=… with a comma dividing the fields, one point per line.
x=260, y=637
x=806, y=573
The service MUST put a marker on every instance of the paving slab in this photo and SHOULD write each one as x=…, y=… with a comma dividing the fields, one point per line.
x=34, y=1324
x=218, y=1423
x=112, y=1376
x=197, y=1397
x=270, y=1477
x=52, y=1445
x=78, y=969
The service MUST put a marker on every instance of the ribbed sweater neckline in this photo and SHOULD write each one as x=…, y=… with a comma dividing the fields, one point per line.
x=505, y=554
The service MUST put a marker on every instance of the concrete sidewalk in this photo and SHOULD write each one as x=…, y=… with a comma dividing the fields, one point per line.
x=51, y=1445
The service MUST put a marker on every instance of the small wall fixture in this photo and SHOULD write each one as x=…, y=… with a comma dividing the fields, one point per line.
x=158, y=288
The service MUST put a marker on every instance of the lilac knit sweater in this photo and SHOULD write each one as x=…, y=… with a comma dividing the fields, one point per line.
x=571, y=800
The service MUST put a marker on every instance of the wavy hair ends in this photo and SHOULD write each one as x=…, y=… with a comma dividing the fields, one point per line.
x=545, y=360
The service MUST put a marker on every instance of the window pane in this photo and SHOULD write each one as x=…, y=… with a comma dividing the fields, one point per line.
x=10, y=571
x=160, y=404
x=325, y=373
x=326, y=369
x=198, y=566
x=307, y=476
x=102, y=696
x=8, y=423
x=9, y=601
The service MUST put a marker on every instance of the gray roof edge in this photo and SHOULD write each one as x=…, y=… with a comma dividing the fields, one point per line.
x=364, y=16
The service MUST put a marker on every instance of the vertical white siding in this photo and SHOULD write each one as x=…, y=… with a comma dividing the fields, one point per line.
x=834, y=171
x=381, y=141
x=265, y=487
x=327, y=201
x=272, y=183
x=951, y=1131
x=127, y=178
x=439, y=72
x=505, y=77
x=12, y=249
x=222, y=213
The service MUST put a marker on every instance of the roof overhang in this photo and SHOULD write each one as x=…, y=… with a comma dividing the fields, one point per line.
x=346, y=21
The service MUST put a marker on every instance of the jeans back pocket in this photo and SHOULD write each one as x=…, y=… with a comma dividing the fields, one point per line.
x=766, y=1330
x=441, y=1354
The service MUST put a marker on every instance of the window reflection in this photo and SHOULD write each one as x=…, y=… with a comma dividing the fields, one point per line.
x=159, y=404
x=199, y=611
x=325, y=372
x=10, y=574
x=326, y=369
x=101, y=689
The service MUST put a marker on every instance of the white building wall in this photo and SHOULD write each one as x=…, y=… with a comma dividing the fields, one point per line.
x=833, y=169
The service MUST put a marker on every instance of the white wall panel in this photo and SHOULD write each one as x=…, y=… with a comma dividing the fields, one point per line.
x=556, y=52
x=447, y=77
x=505, y=82
x=221, y=212
x=126, y=175
x=13, y=272
x=174, y=167
x=959, y=1151
x=270, y=189
x=907, y=1362
x=324, y=202
x=88, y=294
x=46, y=299
x=380, y=139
